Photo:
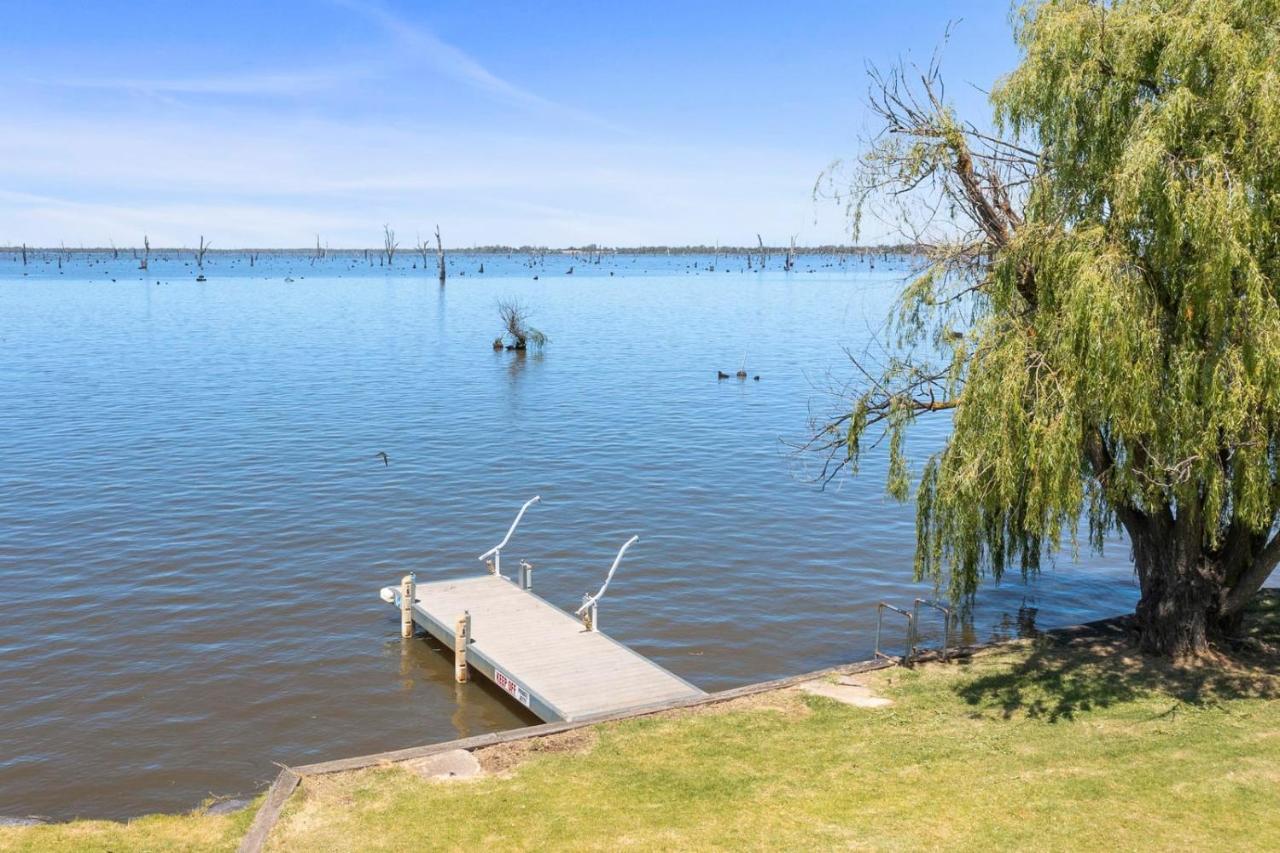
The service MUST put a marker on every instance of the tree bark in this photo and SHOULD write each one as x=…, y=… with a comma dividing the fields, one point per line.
x=1192, y=596
x=1177, y=612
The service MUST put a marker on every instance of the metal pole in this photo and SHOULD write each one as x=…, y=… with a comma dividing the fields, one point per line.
x=496, y=550
x=911, y=629
x=589, y=602
x=946, y=622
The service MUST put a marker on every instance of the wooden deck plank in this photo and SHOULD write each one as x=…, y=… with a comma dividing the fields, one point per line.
x=572, y=671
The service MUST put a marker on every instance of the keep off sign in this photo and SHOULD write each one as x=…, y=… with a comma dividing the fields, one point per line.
x=508, y=684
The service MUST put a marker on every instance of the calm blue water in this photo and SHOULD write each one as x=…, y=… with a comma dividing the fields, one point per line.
x=194, y=524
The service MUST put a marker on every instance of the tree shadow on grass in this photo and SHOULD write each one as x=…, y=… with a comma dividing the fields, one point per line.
x=1080, y=670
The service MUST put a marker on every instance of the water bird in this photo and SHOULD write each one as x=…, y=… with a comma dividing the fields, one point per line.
x=386, y=460
x=720, y=374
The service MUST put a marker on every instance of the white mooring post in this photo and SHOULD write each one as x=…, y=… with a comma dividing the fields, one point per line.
x=526, y=575
x=408, y=588
x=461, y=637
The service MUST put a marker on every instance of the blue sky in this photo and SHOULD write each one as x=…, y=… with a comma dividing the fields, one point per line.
x=558, y=123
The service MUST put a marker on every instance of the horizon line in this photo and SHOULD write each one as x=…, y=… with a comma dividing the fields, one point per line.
x=493, y=248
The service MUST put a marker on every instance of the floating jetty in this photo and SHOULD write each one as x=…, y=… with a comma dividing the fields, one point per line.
x=558, y=665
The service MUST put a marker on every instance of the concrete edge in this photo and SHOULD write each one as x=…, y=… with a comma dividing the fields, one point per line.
x=1115, y=624
x=265, y=820
x=544, y=729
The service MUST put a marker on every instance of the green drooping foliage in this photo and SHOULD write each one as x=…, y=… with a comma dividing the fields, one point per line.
x=1100, y=309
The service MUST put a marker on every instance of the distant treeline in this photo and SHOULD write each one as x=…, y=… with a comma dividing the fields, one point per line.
x=590, y=249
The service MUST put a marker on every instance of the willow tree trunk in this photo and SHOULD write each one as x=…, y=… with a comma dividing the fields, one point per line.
x=1177, y=613
x=1193, y=595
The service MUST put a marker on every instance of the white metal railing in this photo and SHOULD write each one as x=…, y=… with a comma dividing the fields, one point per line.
x=496, y=550
x=589, y=611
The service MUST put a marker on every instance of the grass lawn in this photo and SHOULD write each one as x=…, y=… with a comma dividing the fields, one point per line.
x=153, y=832
x=1032, y=745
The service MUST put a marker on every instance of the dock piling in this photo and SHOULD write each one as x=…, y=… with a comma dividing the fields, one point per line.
x=526, y=575
x=408, y=588
x=461, y=638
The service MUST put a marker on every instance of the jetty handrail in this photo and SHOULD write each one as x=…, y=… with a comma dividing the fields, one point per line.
x=496, y=550
x=946, y=623
x=589, y=602
x=911, y=631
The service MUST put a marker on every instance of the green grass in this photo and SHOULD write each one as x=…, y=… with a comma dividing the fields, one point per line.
x=1035, y=745
x=193, y=832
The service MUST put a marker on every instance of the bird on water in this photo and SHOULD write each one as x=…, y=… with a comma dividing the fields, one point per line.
x=386, y=460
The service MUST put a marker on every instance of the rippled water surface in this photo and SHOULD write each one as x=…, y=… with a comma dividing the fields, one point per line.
x=194, y=524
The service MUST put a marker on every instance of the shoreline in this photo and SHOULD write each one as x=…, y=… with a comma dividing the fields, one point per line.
x=834, y=743
x=290, y=776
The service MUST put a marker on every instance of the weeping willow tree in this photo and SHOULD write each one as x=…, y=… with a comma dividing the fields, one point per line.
x=1098, y=308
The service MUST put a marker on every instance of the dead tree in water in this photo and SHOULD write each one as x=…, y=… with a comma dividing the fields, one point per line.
x=146, y=252
x=791, y=256
x=115, y=253
x=24, y=254
x=204, y=247
x=439, y=255
x=515, y=322
x=423, y=248
x=319, y=251
x=389, y=244
x=763, y=255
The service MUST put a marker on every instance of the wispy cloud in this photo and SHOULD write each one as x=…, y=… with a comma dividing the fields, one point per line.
x=259, y=83
x=248, y=182
x=451, y=61
x=408, y=46
x=251, y=83
x=446, y=58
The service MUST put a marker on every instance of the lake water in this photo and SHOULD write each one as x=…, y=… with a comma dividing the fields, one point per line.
x=194, y=524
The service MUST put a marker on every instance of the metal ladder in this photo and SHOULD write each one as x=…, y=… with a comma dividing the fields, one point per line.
x=913, y=629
